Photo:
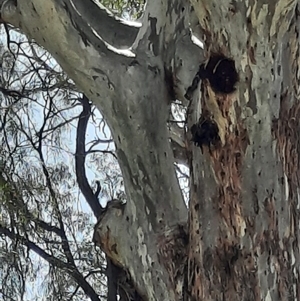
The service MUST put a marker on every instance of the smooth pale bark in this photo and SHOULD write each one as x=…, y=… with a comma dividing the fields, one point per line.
x=132, y=94
x=244, y=209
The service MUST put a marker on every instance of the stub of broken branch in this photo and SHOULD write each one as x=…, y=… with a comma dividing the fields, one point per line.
x=102, y=235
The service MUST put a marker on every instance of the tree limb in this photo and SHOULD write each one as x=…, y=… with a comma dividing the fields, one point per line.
x=167, y=17
x=76, y=46
x=136, y=108
x=39, y=149
x=90, y=196
x=115, y=31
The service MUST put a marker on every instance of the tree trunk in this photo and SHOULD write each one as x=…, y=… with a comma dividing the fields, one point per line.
x=244, y=208
x=242, y=141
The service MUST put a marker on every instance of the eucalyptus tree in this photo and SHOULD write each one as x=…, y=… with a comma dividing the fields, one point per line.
x=238, y=238
x=44, y=254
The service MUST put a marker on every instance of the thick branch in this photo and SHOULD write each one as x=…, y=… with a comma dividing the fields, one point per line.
x=119, y=33
x=77, y=47
x=166, y=17
x=136, y=111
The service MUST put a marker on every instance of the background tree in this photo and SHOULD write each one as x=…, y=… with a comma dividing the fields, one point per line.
x=44, y=253
x=239, y=238
x=41, y=120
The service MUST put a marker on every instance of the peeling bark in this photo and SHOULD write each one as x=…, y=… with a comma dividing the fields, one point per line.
x=244, y=194
x=243, y=227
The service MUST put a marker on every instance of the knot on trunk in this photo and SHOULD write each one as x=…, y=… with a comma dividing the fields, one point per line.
x=205, y=132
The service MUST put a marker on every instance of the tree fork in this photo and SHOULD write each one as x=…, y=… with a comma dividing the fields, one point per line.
x=244, y=208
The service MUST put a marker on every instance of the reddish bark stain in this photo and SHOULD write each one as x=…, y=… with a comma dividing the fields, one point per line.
x=226, y=267
x=286, y=132
x=227, y=162
x=172, y=254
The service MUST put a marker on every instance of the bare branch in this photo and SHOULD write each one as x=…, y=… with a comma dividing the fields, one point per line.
x=98, y=141
x=90, y=196
x=69, y=268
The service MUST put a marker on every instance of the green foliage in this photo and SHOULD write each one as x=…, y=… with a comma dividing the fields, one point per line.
x=127, y=9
